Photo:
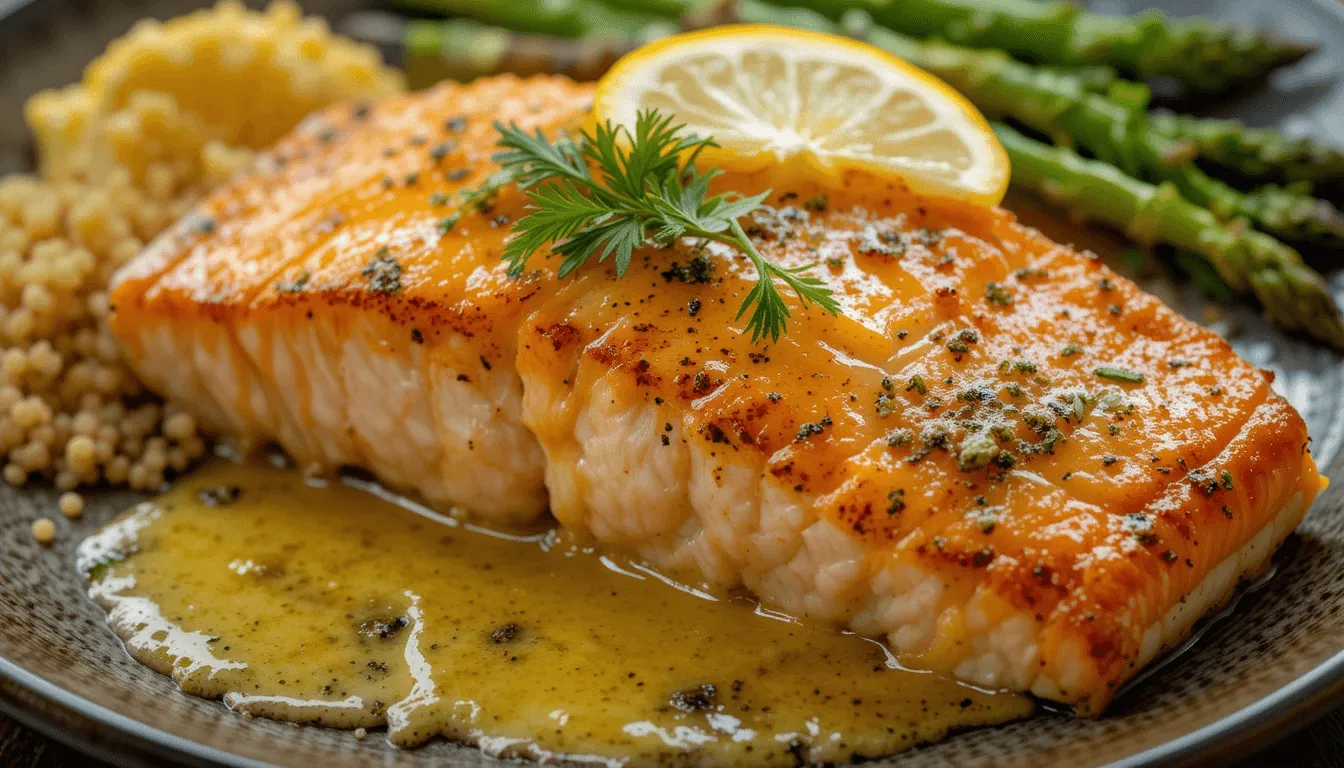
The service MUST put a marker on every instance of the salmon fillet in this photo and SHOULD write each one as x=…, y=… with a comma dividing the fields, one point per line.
x=1001, y=456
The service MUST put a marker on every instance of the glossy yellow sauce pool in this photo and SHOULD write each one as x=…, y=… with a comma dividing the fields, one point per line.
x=330, y=605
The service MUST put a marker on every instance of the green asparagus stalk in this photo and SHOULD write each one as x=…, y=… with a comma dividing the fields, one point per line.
x=1254, y=155
x=1203, y=276
x=1204, y=54
x=1061, y=106
x=1293, y=295
x=1287, y=212
x=559, y=18
x=671, y=9
x=463, y=49
x=1257, y=154
x=548, y=17
x=1097, y=78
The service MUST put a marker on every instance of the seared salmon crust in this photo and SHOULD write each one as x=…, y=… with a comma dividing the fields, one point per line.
x=1003, y=457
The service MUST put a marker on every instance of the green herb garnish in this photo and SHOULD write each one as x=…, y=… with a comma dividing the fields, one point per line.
x=646, y=187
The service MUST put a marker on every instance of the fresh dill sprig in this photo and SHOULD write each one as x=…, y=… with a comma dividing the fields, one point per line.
x=646, y=188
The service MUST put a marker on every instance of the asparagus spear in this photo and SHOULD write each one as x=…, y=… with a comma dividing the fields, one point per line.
x=1061, y=106
x=1293, y=295
x=463, y=49
x=560, y=18
x=1287, y=212
x=1204, y=54
x=1260, y=155
x=1257, y=154
x=548, y=17
x=1254, y=155
x=1203, y=276
x=671, y=9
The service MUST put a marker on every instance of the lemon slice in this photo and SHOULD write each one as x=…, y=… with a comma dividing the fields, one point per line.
x=770, y=95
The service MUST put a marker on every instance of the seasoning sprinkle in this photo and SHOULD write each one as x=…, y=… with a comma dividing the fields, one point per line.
x=810, y=428
x=996, y=293
x=294, y=286
x=899, y=438
x=896, y=501
x=1119, y=374
x=700, y=270
x=1031, y=273
x=977, y=451
x=886, y=406
x=383, y=273
x=960, y=344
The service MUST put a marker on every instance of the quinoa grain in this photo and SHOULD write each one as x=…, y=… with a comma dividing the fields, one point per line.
x=72, y=505
x=116, y=169
x=44, y=530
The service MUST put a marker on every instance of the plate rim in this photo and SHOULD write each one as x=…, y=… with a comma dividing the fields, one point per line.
x=98, y=729
x=1254, y=727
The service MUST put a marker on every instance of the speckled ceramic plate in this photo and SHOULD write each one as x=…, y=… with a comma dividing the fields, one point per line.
x=1268, y=667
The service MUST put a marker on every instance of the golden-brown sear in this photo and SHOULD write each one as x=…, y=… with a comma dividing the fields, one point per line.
x=1002, y=456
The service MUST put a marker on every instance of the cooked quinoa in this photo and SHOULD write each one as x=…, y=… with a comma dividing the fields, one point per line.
x=123, y=154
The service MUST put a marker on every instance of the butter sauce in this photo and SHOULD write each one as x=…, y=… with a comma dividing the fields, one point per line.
x=326, y=604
